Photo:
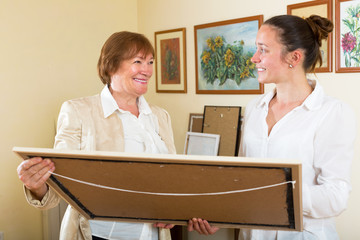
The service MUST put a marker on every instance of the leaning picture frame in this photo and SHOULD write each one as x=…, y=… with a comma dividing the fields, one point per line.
x=347, y=36
x=322, y=8
x=195, y=122
x=223, y=52
x=201, y=144
x=170, y=52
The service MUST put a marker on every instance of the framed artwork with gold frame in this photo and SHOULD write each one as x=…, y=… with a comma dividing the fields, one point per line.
x=170, y=59
x=322, y=8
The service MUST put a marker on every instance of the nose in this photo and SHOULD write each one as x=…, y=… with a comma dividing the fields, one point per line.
x=255, y=58
x=147, y=70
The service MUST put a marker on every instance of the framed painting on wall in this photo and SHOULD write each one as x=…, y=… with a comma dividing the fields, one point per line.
x=322, y=8
x=223, y=52
x=347, y=36
x=170, y=51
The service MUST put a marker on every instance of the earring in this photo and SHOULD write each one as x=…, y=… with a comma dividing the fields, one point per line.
x=290, y=66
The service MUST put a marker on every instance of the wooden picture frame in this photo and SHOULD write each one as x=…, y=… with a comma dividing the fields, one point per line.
x=201, y=144
x=225, y=121
x=222, y=56
x=347, y=36
x=160, y=187
x=322, y=8
x=170, y=59
x=195, y=122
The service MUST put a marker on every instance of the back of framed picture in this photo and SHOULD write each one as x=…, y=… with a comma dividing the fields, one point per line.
x=225, y=121
x=195, y=122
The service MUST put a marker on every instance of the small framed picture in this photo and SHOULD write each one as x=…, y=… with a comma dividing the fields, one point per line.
x=322, y=8
x=201, y=144
x=195, y=122
x=225, y=121
x=347, y=36
x=170, y=58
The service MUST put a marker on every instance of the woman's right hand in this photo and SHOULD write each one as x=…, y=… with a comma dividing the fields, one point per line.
x=201, y=226
x=33, y=173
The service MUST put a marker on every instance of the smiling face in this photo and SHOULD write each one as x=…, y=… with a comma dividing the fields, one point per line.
x=269, y=58
x=132, y=77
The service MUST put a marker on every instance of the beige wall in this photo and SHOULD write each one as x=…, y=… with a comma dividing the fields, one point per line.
x=157, y=15
x=48, y=53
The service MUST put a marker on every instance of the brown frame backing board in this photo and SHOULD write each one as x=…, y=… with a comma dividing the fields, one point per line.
x=195, y=122
x=276, y=207
x=225, y=121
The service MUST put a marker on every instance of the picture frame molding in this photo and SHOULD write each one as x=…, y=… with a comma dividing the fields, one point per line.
x=338, y=68
x=215, y=137
x=258, y=18
x=192, y=118
x=170, y=88
x=329, y=5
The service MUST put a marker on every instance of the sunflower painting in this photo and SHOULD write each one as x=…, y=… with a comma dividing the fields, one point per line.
x=224, y=54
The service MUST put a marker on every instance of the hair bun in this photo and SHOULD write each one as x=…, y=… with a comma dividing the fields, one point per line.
x=320, y=26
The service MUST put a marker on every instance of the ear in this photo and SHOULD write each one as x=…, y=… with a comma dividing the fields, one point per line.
x=295, y=57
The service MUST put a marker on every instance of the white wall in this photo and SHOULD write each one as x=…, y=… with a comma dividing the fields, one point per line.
x=157, y=15
x=48, y=53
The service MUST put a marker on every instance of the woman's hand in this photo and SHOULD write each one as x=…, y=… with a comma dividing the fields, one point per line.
x=33, y=173
x=164, y=225
x=201, y=226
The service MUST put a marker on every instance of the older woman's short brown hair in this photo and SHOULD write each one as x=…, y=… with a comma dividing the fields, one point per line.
x=121, y=46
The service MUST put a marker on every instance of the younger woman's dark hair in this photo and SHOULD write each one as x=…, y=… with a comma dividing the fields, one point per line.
x=307, y=34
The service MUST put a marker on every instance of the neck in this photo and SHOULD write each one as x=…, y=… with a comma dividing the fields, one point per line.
x=295, y=91
x=126, y=102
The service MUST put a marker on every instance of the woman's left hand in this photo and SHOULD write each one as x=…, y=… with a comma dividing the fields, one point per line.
x=201, y=226
x=164, y=225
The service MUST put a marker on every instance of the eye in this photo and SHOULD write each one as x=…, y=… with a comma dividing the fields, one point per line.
x=137, y=61
x=151, y=62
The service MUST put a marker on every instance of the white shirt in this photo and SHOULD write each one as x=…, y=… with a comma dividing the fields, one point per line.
x=320, y=133
x=141, y=135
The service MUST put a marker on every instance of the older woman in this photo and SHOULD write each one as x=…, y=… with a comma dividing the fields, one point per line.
x=117, y=119
x=297, y=120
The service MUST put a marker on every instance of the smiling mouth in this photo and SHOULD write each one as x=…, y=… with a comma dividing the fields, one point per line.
x=260, y=69
x=140, y=80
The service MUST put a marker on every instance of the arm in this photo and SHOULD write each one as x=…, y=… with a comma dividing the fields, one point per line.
x=334, y=147
x=69, y=128
x=34, y=172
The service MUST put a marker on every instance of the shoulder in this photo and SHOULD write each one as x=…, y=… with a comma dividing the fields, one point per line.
x=88, y=100
x=337, y=114
x=158, y=111
x=82, y=104
x=255, y=102
x=336, y=106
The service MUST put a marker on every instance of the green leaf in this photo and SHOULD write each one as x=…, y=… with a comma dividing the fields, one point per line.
x=356, y=59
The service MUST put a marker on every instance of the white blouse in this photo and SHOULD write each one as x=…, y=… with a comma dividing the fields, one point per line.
x=141, y=135
x=320, y=133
